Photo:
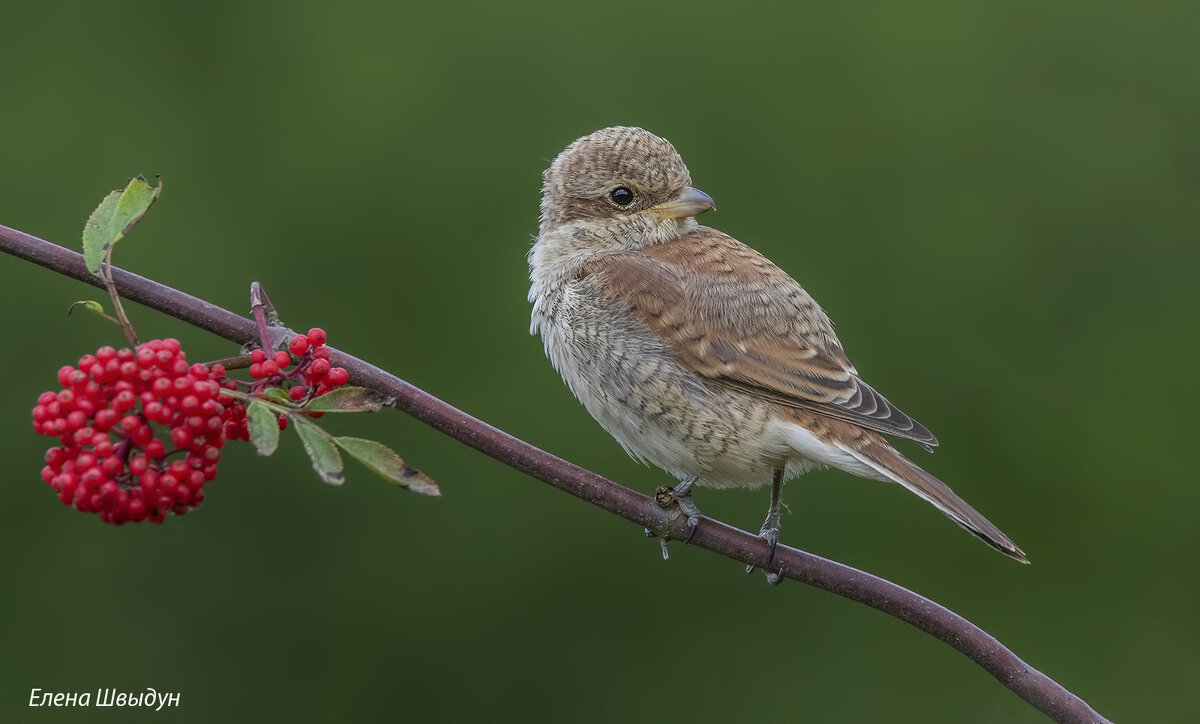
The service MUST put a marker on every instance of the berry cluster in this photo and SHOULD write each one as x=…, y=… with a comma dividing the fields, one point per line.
x=311, y=376
x=113, y=407
x=108, y=416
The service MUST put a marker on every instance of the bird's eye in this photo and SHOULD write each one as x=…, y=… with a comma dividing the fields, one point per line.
x=621, y=196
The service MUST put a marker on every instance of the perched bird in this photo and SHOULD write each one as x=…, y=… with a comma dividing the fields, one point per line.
x=692, y=349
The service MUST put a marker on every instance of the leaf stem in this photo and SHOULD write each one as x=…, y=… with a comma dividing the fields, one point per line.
x=106, y=276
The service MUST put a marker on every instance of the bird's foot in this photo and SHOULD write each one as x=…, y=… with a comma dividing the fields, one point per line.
x=680, y=497
x=770, y=533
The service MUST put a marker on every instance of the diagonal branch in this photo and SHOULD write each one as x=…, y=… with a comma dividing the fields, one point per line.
x=1034, y=687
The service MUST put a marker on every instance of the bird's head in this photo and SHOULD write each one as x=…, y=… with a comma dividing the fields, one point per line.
x=622, y=186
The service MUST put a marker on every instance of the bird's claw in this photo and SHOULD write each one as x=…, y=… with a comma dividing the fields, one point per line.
x=668, y=497
x=770, y=533
x=688, y=508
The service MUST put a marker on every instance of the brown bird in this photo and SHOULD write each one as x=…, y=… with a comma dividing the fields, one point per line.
x=692, y=349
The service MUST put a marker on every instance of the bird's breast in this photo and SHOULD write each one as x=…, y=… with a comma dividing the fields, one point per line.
x=658, y=411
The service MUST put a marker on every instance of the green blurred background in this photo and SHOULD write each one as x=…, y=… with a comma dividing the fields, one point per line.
x=996, y=201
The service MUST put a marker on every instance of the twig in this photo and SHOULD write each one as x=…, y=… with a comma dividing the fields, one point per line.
x=1036, y=688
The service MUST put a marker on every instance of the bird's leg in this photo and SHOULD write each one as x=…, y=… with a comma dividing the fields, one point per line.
x=770, y=527
x=681, y=496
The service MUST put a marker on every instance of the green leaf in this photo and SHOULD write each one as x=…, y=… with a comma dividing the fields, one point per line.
x=277, y=395
x=326, y=459
x=88, y=304
x=263, y=427
x=116, y=215
x=97, y=232
x=383, y=460
x=94, y=307
x=347, y=399
x=135, y=201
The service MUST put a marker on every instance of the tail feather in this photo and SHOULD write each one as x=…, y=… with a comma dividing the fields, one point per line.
x=892, y=466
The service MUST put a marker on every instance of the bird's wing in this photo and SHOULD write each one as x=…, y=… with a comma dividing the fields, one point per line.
x=727, y=313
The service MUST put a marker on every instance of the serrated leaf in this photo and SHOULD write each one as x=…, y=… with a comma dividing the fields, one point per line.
x=98, y=233
x=263, y=427
x=276, y=394
x=326, y=459
x=385, y=461
x=347, y=399
x=116, y=215
x=135, y=201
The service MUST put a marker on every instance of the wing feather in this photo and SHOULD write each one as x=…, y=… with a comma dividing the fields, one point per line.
x=729, y=314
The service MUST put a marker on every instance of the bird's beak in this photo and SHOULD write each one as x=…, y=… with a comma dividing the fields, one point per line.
x=688, y=202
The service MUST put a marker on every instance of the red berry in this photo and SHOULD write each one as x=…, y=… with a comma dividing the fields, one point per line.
x=204, y=390
x=297, y=393
x=124, y=400
x=142, y=436
x=283, y=359
x=102, y=445
x=337, y=376
x=181, y=437
x=65, y=375
x=156, y=449
x=269, y=368
x=76, y=420
x=316, y=336
x=298, y=345
x=319, y=368
x=258, y=356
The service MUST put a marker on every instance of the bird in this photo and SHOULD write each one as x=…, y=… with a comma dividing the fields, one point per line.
x=696, y=352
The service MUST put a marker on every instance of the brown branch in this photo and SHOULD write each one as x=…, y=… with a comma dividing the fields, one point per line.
x=1036, y=688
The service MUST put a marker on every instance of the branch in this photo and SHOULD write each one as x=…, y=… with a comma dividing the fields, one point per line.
x=1034, y=687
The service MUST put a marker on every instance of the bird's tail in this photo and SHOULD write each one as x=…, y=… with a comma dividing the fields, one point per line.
x=894, y=467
